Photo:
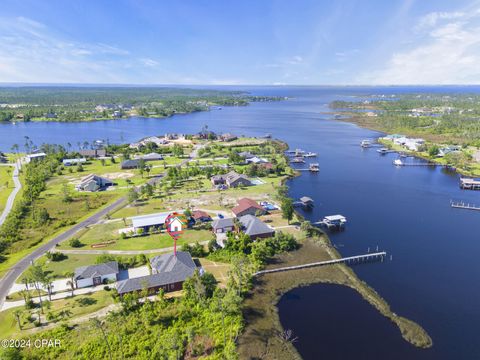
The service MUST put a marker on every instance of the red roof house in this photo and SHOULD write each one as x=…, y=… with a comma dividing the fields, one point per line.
x=247, y=207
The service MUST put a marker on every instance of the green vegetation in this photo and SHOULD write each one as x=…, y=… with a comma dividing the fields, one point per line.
x=441, y=119
x=6, y=185
x=264, y=336
x=47, y=205
x=99, y=103
x=57, y=311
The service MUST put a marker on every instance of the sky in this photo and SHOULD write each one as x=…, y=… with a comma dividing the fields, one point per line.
x=248, y=42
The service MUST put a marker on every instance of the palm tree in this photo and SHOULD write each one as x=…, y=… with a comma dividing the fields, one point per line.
x=17, y=313
x=47, y=283
x=71, y=281
x=26, y=281
x=99, y=325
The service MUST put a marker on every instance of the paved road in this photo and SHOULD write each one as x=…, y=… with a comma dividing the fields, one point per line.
x=14, y=273
x=13, y=194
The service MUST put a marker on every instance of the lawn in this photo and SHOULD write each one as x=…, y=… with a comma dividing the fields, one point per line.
x=71, y=307
x=6, y=185
x=219, y=270
x=109, y=231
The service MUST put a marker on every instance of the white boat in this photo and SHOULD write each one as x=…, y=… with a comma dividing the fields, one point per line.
x=382, y=151
x=365, y=143
x=299, y=152
x=397, y=162
x=310, y=154
x=314, y=167
x=298, y=160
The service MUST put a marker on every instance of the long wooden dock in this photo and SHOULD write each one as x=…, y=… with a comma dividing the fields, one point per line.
x=376, y=256
x=462, y=205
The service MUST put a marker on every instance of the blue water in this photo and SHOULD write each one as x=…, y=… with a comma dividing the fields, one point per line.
x=433, y=277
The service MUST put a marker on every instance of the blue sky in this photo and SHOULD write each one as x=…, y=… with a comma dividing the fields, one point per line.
x=240, y=42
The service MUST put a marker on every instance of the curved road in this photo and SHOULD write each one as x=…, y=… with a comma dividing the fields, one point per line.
x=14, y=273
x=13, y=194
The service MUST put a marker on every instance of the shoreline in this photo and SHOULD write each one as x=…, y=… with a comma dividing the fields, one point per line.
x=261, y=311
x=352, y=119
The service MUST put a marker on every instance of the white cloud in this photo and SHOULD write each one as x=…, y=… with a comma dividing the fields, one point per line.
x=32, y=52
x=149, y=62
x=448, y=53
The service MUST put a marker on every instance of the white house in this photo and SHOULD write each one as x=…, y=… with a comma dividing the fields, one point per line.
x=94, y=275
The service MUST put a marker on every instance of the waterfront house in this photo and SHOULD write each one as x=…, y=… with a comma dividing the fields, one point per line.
x=255, y=228
x=248, y=206
x=93, y=275
x=94, y=182
x=169, y=271
x=220, y=226
x=447, y=150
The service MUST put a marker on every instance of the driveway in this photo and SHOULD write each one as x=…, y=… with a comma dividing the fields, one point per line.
x=13, y=194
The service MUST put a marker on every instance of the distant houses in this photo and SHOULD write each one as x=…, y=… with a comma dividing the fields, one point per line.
x=35, y=157
x=169, y=271
x=150, y=221
x=248, y=207
x=150, y=157
x=231, y=179
x=227, y=137
x=93, y=153
x=93, y=183
x=255, y=228
x=94, y=275
x=70, y=162
x=151, y=139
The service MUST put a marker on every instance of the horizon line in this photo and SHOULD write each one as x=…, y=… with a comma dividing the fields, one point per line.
x=60, y=84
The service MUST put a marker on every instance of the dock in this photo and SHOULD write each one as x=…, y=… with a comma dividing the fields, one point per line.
x=377, y=256
x=401, y=163
x=332, y=222
x=462, y=205
x=469, y=184
x=305, y=202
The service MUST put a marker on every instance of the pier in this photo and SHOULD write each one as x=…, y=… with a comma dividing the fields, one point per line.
x=401, y=163
x=377, y=256
x=305, y=202
x=462, y=205
x=469, y=184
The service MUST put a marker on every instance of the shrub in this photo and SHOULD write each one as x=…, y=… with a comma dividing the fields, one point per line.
x=76, y=243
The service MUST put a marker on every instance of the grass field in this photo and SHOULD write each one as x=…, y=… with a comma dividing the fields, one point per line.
x=74, y=307
x=6, y=185
x=100, y=233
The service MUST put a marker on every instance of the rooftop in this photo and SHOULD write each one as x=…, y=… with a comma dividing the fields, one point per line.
x=254, y=226
x=90, y=271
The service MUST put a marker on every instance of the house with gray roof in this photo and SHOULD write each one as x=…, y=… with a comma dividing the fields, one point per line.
x=231, y=179
x=255, y=228
x=93, y=275
x=94, y=182
x=222, y=225
x=169, y=271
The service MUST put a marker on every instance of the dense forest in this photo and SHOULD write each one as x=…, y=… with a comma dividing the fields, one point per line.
x=99, y=103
